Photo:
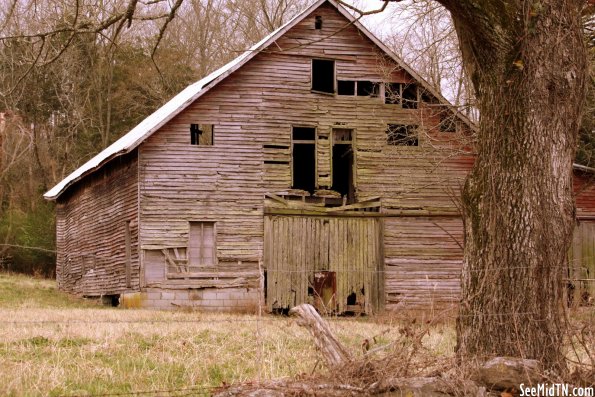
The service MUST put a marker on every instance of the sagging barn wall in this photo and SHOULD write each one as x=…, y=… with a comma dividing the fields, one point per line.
x=97, y=231
x=252, y=114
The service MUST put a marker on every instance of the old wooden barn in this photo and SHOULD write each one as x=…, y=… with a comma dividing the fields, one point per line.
x=316, y=167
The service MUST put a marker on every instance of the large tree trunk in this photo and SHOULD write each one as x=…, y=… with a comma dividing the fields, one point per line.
x=527, y=62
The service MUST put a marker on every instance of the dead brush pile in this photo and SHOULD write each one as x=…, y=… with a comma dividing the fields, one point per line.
x=406, y=366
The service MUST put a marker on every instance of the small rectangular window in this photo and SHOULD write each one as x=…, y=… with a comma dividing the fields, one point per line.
x=346, y=87
x=323, y=75
x=402, y=135
x=318, y=22
x=368, y=88
x=201, y=134
x=202, y=251
x=409, y=96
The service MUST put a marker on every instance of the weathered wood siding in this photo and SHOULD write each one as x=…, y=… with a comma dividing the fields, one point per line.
x=423, y=261
x=91, y=231
x=257, y=106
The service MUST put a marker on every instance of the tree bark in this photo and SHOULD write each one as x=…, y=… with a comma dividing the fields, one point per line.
x=527, y=62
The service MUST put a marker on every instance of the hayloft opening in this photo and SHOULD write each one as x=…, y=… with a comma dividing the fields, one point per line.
x=201, y=134
x=323, y=75
x=303, y=158
x=402, y=135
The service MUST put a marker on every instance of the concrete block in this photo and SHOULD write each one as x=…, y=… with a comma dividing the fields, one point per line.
x=168, y=295
x=153, y=295
x=209, y=294
x=224, y=295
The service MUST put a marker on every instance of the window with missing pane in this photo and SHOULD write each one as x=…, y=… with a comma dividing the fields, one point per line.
x=402, y=135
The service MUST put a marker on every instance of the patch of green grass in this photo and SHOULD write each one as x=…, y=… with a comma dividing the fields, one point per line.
x=20, y=291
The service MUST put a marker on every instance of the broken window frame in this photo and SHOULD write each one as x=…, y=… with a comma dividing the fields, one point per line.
x=411, y=138
x=201, y=249
x=377, y=88
x=304, y=141
x=334, y=77
x=375, y=93
x=197, y=134
x=392, y=97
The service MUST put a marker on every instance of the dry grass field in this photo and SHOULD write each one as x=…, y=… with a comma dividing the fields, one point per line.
x=54, y=345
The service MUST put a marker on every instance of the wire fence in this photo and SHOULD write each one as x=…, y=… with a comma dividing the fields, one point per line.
x=260, y=318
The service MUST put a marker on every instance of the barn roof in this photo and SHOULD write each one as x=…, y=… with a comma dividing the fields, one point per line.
x=181, y=101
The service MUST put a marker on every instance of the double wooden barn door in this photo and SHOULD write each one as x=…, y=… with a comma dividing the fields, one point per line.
x=334, y=263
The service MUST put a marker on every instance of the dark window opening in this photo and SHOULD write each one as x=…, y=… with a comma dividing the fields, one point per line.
x=343, y=170
x=201, y=134
x=304, y=166
x=368, y=88
x=392, y=93
x=304, y=158
x=318, y=22
x=303, y=133
x=402, y=135
x=323, y=75
x=194, y=134
x=409, y=96
x=346, y=87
